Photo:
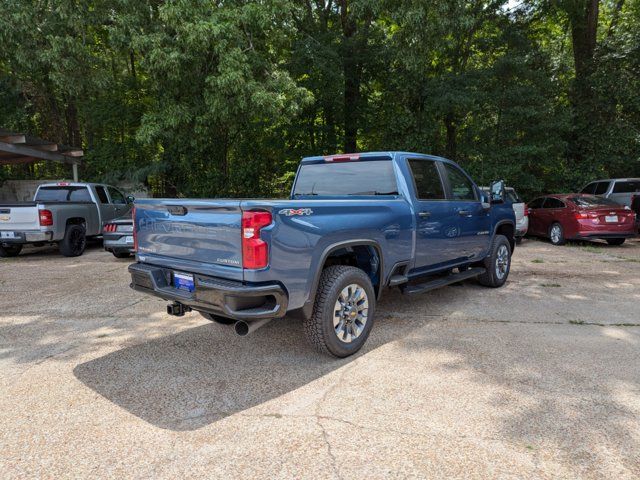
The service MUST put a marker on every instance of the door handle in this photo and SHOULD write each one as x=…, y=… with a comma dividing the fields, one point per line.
x=464, y=213
x=424, y=214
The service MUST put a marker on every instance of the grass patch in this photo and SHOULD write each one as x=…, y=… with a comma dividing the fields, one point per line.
x=550, y=285
x=576, y=322
x=537, y=260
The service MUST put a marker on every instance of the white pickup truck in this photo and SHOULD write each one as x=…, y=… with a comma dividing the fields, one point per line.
x=66, y=213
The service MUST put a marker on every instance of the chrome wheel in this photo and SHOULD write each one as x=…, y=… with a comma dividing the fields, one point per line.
x=556, y=233
x=502, y=262
x=350, y=313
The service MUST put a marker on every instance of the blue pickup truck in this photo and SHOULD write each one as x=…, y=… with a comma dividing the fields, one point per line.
x=354, y=225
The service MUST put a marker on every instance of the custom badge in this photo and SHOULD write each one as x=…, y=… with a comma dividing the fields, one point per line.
x=290, y=212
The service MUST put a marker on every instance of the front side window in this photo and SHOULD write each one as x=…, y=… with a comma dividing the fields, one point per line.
x=461, y=186
x=361, y=177
x=116, y=196
x=537, y=203
x=427, y=179
x=102, y=195
x=601, y=188
x=589, y=188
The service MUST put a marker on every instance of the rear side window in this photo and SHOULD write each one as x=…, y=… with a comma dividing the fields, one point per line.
x=373, y=177
x=461, y=186
x=627, y=187
x=553, y=203
x=427, y=179
x=63, y=194
x=102, y=195
x=601, y=188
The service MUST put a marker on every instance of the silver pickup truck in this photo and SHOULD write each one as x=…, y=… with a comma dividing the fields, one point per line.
x=64, y=213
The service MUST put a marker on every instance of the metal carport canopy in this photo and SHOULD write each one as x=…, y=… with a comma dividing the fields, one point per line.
x=20, y=148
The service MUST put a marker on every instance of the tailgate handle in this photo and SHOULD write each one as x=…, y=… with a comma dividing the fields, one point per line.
x=177, y=209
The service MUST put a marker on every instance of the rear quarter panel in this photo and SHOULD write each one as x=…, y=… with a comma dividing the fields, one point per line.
x=300, y=242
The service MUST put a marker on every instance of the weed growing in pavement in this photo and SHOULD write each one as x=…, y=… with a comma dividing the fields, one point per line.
x=537, y=260
x=550, y=285
x=576, y=322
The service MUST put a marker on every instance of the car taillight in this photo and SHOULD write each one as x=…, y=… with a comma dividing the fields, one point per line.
x=583, y=215
x=255, y=251
x=526, y=210
x=135, y=233
x=46, y=218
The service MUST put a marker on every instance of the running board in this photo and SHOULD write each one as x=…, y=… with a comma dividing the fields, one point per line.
x=441, y=282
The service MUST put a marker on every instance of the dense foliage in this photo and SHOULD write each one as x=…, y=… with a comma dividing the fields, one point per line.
x=222, y=98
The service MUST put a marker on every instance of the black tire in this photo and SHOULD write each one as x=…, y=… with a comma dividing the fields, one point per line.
x=320, y=328
x=121, y=254
x=615, y=241
x=556, y=240
x=217, y=318
x=74, y=241
x=10, y=250
x=491, y=278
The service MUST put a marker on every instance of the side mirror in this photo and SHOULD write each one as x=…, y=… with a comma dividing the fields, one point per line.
x=484, y=198
x=497, y=191
x=130, y=199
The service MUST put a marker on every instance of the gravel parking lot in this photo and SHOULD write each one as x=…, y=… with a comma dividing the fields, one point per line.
x=538, y=379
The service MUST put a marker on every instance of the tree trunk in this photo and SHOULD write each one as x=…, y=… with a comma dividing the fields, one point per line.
x=352, y=79
x=584, y=30
x=451, y=147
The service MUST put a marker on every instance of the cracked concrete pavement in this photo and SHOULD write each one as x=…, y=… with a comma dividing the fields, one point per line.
x=538, y=379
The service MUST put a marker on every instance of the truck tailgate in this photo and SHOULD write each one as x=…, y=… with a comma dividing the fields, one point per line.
x=19, y=217
x=194, y=235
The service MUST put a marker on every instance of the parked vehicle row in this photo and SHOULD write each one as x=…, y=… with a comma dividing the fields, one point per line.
x=64, y=213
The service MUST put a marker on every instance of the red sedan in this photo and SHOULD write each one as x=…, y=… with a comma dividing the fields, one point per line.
x=580, y=217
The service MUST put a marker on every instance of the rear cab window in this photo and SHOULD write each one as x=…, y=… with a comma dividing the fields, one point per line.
x=102, y=194
x=590, y=201
x=63, y=194
x=359, y=177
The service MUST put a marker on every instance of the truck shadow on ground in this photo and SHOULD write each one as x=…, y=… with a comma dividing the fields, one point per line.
x=190, y=379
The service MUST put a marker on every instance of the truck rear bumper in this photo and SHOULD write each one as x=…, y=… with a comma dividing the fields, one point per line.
x=213, y=295
x=25, y=237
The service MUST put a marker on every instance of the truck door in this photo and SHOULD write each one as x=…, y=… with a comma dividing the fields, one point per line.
x=468, y=216
x=119, y=202
x=433, y=246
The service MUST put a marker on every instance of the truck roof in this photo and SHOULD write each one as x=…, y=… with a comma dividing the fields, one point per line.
x=69, y=184
x=390, y=154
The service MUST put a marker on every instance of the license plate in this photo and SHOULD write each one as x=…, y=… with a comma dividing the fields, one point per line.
x=611, y=219
x=183, y=281
x=129, y=239
x=7, y=235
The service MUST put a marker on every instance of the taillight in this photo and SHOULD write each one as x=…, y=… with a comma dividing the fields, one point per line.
x=255, y=251
x=135, y=233
x=584, y=215
x=526, y=210
x=354, y=157
x=46, y=218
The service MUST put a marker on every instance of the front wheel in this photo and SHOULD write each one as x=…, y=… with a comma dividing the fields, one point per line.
x=556, y=234
x=615, y=241
x=343, y=311
x=497, y=263
x=10, y=250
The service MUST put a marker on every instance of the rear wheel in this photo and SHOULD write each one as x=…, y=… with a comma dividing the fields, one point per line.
x=10, y=250
x=343, y=311
x=615, y=241
x=74, y=241
x=556, y=234
x=217, y=318
x=497, y=263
